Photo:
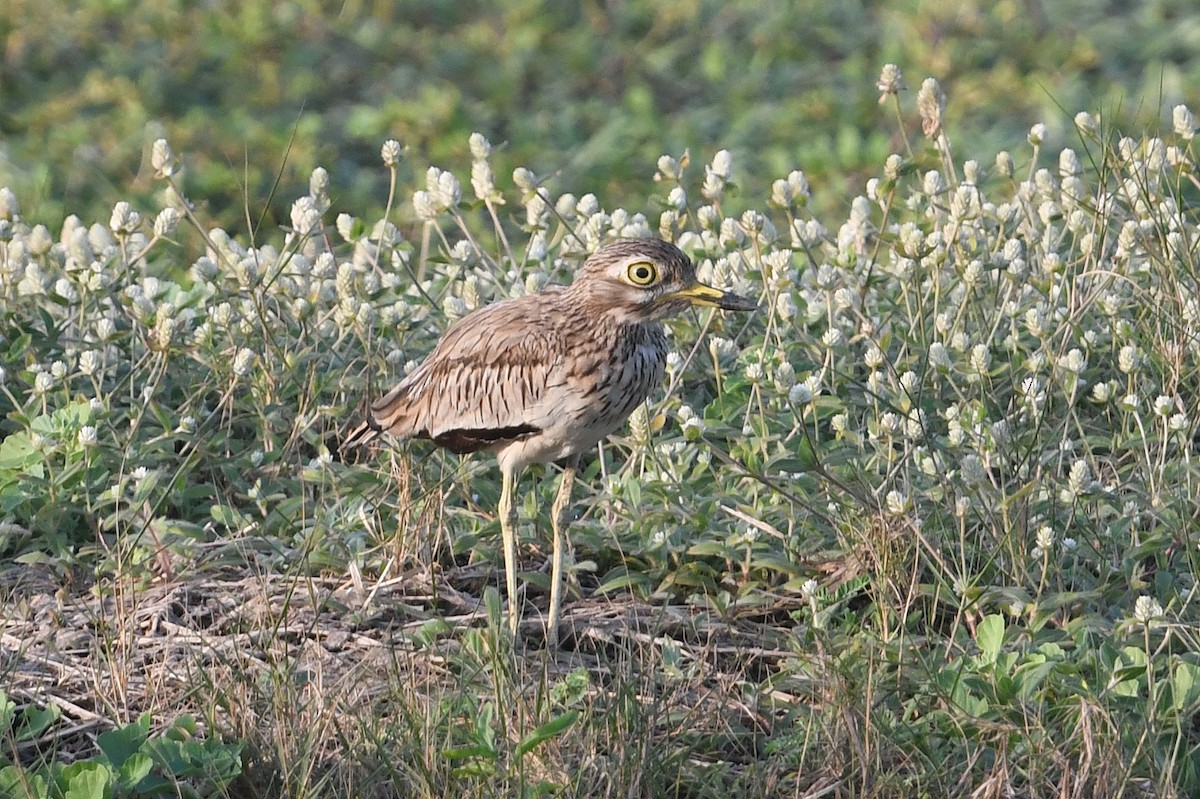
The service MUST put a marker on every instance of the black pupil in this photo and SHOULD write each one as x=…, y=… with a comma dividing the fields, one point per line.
x=643, y=273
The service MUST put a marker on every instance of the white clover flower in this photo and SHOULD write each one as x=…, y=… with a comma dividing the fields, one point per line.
x=90, y=362
x=832, y=337
x=754, y=372
x=809, y=588
x=166, y=222
x=162, y=159
x=187, y=424
x=391, y=152
x=318, y=183
x=971, y=173
x=1130, y=402
x=722, y=164
x=722, y=347
x=243, y=362
x=1068, y=163
x=752, y=222
x=481, y=148
x=1101, y=392
x=1004, y=164
x=981, y=359
x=1045, y=537
x=891, y=82
x=1070, y=544
x=483, y=182
x=889, y=424
x=1178, y=422
x=1129, y=360
x=1085, y=122
x=64, y=289
x=1037, y=134
x=306, y=217
x=425, y=206
x=896, y=502
x=931, y=105
x=801, y=394
x=444, y=187
x=668, y=168
x=933, y=184
x=892, y=166
x=1147, y=609
x=693, y=428
x=43, y=383
x=1184, y=121
x=1074, y=361
x=526, y=180
x=939, y=356
x=677, y=198
x=1163, y=405
x=972, y=470
x=124, y=219
x=962, y=506
x=88, y=436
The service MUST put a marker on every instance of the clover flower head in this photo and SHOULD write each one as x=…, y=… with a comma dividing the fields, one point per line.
x=931, y=105
x=124, y=219
x=88, y=436
x=162, y=159
x=243, y=362
x=1163, y=405
x=1184, y=121
x=391, y=152
x=1147, y=610
x=668, y=168
x=890, y=83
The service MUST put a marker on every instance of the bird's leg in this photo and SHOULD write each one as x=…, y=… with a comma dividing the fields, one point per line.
x=558, y=520
x=508, y=531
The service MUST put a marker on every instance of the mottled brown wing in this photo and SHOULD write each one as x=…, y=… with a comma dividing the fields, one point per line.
x=486, y=382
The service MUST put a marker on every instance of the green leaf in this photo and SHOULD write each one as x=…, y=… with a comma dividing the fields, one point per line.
x=1185, y=685
x=467, y=752
x=989, y=635
x=547, y=731
x=17, y=453
x=84, y=779
x=122, y=743
x=35, y=721
x=18, y=783
x=135, y=769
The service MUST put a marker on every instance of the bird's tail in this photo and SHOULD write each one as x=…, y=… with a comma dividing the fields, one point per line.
x=359, y=437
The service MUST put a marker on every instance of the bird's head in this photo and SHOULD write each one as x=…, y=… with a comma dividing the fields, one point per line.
x=645, y=280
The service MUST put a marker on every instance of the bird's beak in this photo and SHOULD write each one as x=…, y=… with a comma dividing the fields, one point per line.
x=700, y=294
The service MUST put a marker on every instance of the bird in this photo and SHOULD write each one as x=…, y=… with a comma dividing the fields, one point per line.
x=546, y=376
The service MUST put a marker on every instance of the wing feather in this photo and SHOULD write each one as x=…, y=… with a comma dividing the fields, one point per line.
x=486, y=381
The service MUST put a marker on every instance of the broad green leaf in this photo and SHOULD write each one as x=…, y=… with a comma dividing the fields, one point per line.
x=547, y=731
x=989, y=635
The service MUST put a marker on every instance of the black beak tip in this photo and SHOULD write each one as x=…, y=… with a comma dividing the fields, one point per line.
x=736, y=302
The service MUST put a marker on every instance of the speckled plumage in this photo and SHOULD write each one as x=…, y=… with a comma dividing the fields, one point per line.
x=546, y=376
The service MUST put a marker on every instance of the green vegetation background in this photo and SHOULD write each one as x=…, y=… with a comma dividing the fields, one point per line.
x=254, y=91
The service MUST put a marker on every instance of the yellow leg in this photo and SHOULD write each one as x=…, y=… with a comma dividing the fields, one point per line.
x=508, y=531
x=558, y=520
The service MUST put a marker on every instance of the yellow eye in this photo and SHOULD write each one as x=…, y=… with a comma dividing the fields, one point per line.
x=642, y=273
